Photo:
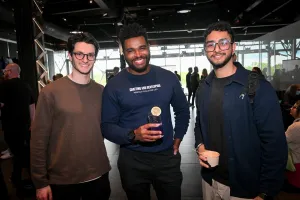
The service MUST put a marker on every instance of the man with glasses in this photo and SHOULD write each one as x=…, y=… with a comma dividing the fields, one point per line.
x=248, y=136
x=68, y=156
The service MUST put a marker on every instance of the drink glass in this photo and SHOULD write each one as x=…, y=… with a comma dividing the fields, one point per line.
x=155, y=120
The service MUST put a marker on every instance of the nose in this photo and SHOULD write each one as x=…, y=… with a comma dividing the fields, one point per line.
x=217, y=47
x=85, y=59
x=137, y=54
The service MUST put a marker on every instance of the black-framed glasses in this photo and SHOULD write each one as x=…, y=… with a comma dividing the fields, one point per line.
x=89, y=56
x=224, y=44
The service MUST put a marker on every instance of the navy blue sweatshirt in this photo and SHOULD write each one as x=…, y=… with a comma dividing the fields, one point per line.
x=128, y=99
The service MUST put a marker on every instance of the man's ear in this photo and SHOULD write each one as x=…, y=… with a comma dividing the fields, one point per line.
x=233, y=46
x=70, y=56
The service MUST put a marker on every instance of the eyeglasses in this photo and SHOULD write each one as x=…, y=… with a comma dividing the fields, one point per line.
x=223, y=44
x=80, y=56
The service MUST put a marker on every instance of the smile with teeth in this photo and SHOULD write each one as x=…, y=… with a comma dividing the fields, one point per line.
x=139, y=61
x=82, y=65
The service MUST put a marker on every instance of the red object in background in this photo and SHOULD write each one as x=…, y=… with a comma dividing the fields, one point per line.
x=294, y=177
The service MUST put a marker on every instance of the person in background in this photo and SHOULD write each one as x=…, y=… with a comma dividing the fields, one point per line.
x=3, y=187
x=2, y=65
x=195, y=83
x=189, y=84
x=252, y=148
x=178, y=76
x=57, y=76
x=290, y=97
x=264, y=72
x=293, y=139
x=204, y=74
x=136, y=115
x=296, y=74
x=257, y=70
x=115, y=72
x=17, y=114
x=68, y=156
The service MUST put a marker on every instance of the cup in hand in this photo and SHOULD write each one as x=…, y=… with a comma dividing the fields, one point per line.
x=212, y=157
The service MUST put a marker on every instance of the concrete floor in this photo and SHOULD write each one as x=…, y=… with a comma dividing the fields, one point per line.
x=191, y=186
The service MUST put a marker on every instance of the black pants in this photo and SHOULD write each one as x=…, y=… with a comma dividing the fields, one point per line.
x=194, y=95
x=190, y=92
x=98, y=189
x=15, y=140
x=138, y=170
x=3, y=188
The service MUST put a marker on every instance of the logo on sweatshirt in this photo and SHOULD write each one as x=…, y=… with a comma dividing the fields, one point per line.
x=142, y=89
x=242, y=96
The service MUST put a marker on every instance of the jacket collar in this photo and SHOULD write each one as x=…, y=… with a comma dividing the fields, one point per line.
x=238, y=76
x=297, y=120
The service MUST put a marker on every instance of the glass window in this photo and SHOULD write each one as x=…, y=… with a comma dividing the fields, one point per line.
x=251, y=60
x=112, y=53
x=60, y=59
x=158, y=61
x=99, y=72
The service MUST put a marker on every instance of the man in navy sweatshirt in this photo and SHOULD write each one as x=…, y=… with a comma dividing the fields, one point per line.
x=149, y=151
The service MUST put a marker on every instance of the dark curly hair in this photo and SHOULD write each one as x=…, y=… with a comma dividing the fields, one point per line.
x=131, y=31
x=219, y=26
x=82, y=37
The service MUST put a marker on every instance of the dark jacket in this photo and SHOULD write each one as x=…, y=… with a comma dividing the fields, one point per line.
x=195, y=81
x=257, y=149
x=188, y=80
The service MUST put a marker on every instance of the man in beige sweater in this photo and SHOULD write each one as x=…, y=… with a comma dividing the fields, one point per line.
x=68, y=156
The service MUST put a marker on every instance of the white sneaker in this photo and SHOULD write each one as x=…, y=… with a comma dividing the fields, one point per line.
x=6, y=156
x=5, y=151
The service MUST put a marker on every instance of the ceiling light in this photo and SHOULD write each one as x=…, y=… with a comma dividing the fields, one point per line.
x=75, y=32
x=149, y=8
x=104, y=14
x=64, y=19
x=182, y=11
x=119, y=24
x=91, y=1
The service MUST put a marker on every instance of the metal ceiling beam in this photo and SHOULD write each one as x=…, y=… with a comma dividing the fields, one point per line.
x=203, y=29
x=101, y=4
x=275, y=9
x=77, y=11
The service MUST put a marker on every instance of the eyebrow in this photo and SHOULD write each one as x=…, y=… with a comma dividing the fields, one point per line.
x=83, y=53
x=131, y=48
x=218, y=40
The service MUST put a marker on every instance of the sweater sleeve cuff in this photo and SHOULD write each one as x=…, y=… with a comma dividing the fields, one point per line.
x=179, y=136
x=40, y=184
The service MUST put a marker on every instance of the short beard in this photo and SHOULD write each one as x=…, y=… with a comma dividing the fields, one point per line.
x=139, y=70
x=84, y=73
x=220, y=65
